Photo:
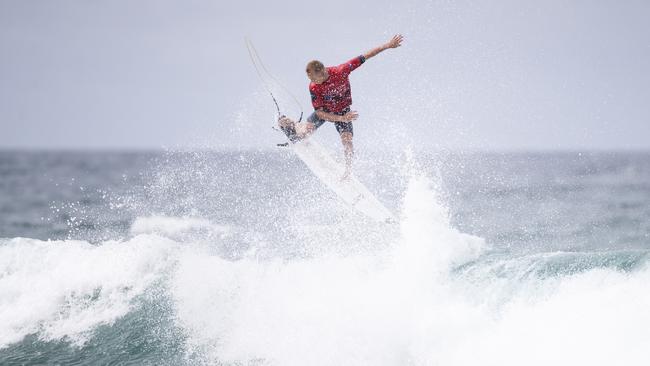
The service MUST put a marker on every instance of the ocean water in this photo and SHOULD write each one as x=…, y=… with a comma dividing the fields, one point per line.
x=244, y=258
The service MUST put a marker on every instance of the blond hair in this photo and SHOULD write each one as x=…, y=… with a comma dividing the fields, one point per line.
x=315, y=66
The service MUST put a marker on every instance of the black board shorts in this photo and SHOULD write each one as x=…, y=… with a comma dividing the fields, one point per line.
x=340, y=126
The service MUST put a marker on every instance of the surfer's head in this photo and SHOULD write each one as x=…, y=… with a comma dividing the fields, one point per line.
x=316, y=72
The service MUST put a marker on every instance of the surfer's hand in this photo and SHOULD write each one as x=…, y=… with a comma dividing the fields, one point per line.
x=395, y=42
x=350, y=116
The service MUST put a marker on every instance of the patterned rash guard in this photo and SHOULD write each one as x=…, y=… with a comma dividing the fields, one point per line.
x=334, y=94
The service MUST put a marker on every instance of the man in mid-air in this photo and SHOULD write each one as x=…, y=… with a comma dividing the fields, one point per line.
x=331, y=97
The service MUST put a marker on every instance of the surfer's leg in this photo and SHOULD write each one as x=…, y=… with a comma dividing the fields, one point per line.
x=346, y=139
x=297, y=131
x=306, y=128
x=346, y=132
x=314, y=122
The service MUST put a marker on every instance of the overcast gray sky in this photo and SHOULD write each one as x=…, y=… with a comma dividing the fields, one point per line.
x=471, y=74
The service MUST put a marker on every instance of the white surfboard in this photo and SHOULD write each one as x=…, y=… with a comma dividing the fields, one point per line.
x=330, y=173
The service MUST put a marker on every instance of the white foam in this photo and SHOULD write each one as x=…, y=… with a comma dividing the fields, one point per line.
x=364, y=309
x=428, y=239
x=599, y=317
x=65, y=289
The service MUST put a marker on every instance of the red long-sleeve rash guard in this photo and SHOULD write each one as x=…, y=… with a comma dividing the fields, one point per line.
x=334, y=94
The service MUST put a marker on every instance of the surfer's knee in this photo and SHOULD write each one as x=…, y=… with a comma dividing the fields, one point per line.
x=344, y=128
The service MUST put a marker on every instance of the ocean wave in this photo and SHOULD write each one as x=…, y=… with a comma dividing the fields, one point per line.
x=434, y=296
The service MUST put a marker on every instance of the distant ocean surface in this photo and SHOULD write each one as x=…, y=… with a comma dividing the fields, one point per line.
x=245, y=258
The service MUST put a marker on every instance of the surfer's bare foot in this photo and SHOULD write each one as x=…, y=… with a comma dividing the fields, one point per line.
x=346, y=176
x=284, y=121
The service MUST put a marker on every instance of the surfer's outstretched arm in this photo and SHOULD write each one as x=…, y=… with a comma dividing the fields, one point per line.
x=395, y=42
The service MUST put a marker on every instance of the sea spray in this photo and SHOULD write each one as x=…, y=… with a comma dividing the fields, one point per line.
x=427, y=238
x=361, y=309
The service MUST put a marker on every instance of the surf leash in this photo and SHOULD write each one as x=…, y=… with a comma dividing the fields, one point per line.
x=261, y=71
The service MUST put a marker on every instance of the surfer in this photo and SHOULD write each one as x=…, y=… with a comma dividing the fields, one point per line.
x=331, y=98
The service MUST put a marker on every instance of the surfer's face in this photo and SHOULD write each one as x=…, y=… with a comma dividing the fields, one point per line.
x=317, y=77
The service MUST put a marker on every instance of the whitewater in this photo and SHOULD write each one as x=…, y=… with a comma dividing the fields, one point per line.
x=311, y=282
